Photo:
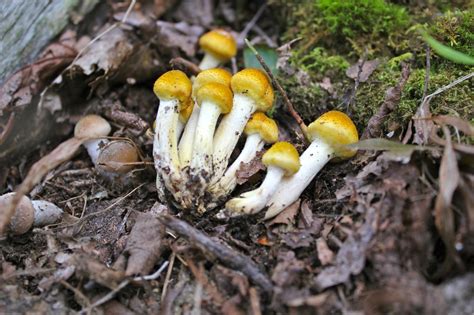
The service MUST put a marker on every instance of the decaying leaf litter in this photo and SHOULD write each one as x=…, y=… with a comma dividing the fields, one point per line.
x=389, y=230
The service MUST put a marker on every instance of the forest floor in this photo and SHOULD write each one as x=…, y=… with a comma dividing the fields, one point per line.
x=390, y=230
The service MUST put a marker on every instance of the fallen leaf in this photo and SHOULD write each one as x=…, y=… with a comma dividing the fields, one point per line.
x=287, y=269
x=458, y=123
x=355, y=71
x=350, y=260
x=449, y=179
x=195, y=12
x=298, y=239
x=178, y=36
x=249, y=169
x=90, y=268
x=288, y=215
x=144, y=245
x=325, y=255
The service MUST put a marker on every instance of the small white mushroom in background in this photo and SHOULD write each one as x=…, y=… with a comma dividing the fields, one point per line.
x=329, y=133
x=118, y=157
x=252, y=92
x=219, y=46
x=214, y=99
x=30, y=213
x=185, y=148
x=259, y=130
x=281, y=159
x=95, y=128
x=173, y=89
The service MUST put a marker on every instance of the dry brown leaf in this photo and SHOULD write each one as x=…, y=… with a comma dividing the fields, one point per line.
x=449, y=179
x=178, y=36
x=288, y=215
x=367, y=69
x=144, y=245
x=456, y=122
x=325, y=255
x=196, y=12
x=249, y=169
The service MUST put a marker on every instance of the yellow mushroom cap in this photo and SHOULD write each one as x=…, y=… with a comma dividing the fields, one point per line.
x=24, y=215
x=254, y=84
x=216, y=93
x=117, y=157
x=216, y=75
x=186, y=112
x=92, y=126
x=283, y=155
x=173, y=84
x=219, y=43
x=335, y=128
x=263, y=125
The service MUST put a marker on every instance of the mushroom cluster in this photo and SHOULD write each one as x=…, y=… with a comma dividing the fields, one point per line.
x=192, y=155
x=200, y=121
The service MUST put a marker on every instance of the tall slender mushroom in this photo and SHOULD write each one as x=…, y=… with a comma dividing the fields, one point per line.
x=259, y=130
x=95, y=128
x=173, y=89
x=184, y=116
x=281, y=159
x=329, y=133
x=219, y=46
x=214, y=99
x=186, y=142
x=252, y=92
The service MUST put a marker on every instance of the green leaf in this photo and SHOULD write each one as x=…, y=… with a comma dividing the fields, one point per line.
x=448, y=52
x=269, y=55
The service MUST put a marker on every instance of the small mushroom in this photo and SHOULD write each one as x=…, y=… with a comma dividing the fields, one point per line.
x=219, y=46
x=30, y=213
x=186, y=143
x=281, y=159
x=173, y=89
x=252, y=92
x=329, y=133
x=118, y=157
x=214, y=99
x=259, y=130
x=95, y=128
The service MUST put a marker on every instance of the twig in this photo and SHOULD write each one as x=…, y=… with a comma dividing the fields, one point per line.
x=168, y=276
x=275, y=82
x=122, y=285
x=220, y=250
x=357, y=80
x=391, y=100
x=251, y=23
x=255, y=302
x=185, y=65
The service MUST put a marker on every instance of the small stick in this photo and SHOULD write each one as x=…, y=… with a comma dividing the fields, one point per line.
x=287, y=101
x=185, y=65
x=220, y=250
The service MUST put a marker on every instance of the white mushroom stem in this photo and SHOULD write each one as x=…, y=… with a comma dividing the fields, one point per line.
x=229, y=130
x=312, y=161
x=201, y=162
x=226, y=184
x=93, y=147
x=165, y=149
x=255, y=200
x=186, y=143
x=179, y=129
x=46, y=213
x=209, y=62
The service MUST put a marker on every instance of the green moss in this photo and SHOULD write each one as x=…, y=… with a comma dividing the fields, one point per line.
x=320, y=62
x=457, y=101
x=351, y=19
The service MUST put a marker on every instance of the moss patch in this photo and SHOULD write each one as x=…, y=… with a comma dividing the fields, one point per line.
x=337, y=33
